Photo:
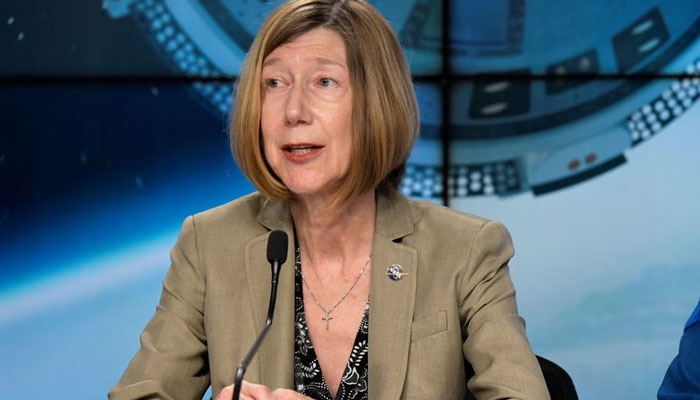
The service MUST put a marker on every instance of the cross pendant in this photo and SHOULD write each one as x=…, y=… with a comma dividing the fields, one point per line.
x=328, y=319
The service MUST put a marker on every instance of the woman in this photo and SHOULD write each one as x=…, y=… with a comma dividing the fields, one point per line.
x=388, y=298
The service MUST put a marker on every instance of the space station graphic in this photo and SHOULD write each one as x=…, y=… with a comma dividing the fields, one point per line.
x=541, y=95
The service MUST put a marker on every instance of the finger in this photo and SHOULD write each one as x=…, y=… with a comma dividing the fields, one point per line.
x=256, y=391
x=226, y=393
x=288, y=394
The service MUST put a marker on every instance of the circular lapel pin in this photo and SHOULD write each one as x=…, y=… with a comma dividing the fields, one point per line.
x=395, y=272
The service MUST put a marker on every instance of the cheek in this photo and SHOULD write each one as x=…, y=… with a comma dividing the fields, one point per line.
x=268, y=149
x=265, y=130
x=267, y=136
x=269, y=152
x=347, y=142
x=343, y=154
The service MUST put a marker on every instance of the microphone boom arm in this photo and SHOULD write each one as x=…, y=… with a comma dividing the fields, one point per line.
x=240, y=372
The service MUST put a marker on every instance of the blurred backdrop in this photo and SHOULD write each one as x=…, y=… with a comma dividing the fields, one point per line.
x=572, y=122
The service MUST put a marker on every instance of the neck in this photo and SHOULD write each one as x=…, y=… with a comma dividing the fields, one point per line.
x=338, y=235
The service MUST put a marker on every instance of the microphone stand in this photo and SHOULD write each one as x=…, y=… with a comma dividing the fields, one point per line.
x=276, y=266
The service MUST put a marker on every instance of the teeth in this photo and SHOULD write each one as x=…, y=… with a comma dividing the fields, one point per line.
x=300, y=151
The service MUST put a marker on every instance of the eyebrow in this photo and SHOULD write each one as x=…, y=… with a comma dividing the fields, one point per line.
x=319, y=60
x=328, y=61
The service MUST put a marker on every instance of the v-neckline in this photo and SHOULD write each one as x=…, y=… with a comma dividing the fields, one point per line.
x=359, y=347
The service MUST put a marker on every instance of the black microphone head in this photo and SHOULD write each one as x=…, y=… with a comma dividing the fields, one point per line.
x=277, y=247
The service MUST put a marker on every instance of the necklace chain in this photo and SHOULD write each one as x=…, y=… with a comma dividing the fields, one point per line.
x=328, y=317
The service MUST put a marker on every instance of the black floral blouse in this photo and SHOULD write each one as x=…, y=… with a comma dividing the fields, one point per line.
x=308, y=378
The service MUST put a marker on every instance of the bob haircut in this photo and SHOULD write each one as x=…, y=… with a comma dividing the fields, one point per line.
x=385, y=114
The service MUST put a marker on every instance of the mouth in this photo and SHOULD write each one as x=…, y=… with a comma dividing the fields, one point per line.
x=300, y=149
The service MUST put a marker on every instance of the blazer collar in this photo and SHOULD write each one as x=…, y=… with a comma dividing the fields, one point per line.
x=391, y=302
x=395, y=216
x=275, y=358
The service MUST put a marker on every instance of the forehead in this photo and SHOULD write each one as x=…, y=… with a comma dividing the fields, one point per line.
x=319, y=45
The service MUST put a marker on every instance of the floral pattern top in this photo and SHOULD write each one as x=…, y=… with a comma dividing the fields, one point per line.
x=308, y=378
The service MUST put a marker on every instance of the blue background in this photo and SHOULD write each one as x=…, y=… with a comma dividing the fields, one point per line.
x=114, y=131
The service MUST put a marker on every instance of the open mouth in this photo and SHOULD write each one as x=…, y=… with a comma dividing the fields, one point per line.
x=300, y=150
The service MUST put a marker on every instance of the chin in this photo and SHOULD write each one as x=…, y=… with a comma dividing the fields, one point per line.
x=311, y=187
x=308, y=191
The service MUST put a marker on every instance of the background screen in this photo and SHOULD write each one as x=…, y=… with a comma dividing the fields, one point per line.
x=574, y=123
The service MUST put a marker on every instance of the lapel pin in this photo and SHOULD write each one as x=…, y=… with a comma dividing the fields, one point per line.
x=395, y=272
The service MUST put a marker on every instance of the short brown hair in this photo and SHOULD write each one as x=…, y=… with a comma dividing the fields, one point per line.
x=385, y=112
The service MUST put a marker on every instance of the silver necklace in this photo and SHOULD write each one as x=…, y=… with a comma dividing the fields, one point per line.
x=328, y=317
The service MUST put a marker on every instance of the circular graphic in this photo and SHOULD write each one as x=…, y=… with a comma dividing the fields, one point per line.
x=593, y=96
x=584, y=108
x=210, y=38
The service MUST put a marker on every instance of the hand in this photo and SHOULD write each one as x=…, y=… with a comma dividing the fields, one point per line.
x=253, y=391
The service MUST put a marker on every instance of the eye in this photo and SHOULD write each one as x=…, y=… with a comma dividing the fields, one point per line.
x=272, y=82
x=326, y=82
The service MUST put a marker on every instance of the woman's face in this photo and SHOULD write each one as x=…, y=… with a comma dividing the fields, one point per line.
x=306, y=116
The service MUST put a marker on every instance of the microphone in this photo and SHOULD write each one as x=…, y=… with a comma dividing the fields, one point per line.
x=276, y=256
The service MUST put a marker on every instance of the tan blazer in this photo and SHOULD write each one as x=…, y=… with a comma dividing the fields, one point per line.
x=456, y=303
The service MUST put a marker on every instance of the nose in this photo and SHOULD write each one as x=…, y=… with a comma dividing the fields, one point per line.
x=296, y=110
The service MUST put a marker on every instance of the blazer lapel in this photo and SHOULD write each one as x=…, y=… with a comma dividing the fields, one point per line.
x=391, y=302
x=275, y=358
